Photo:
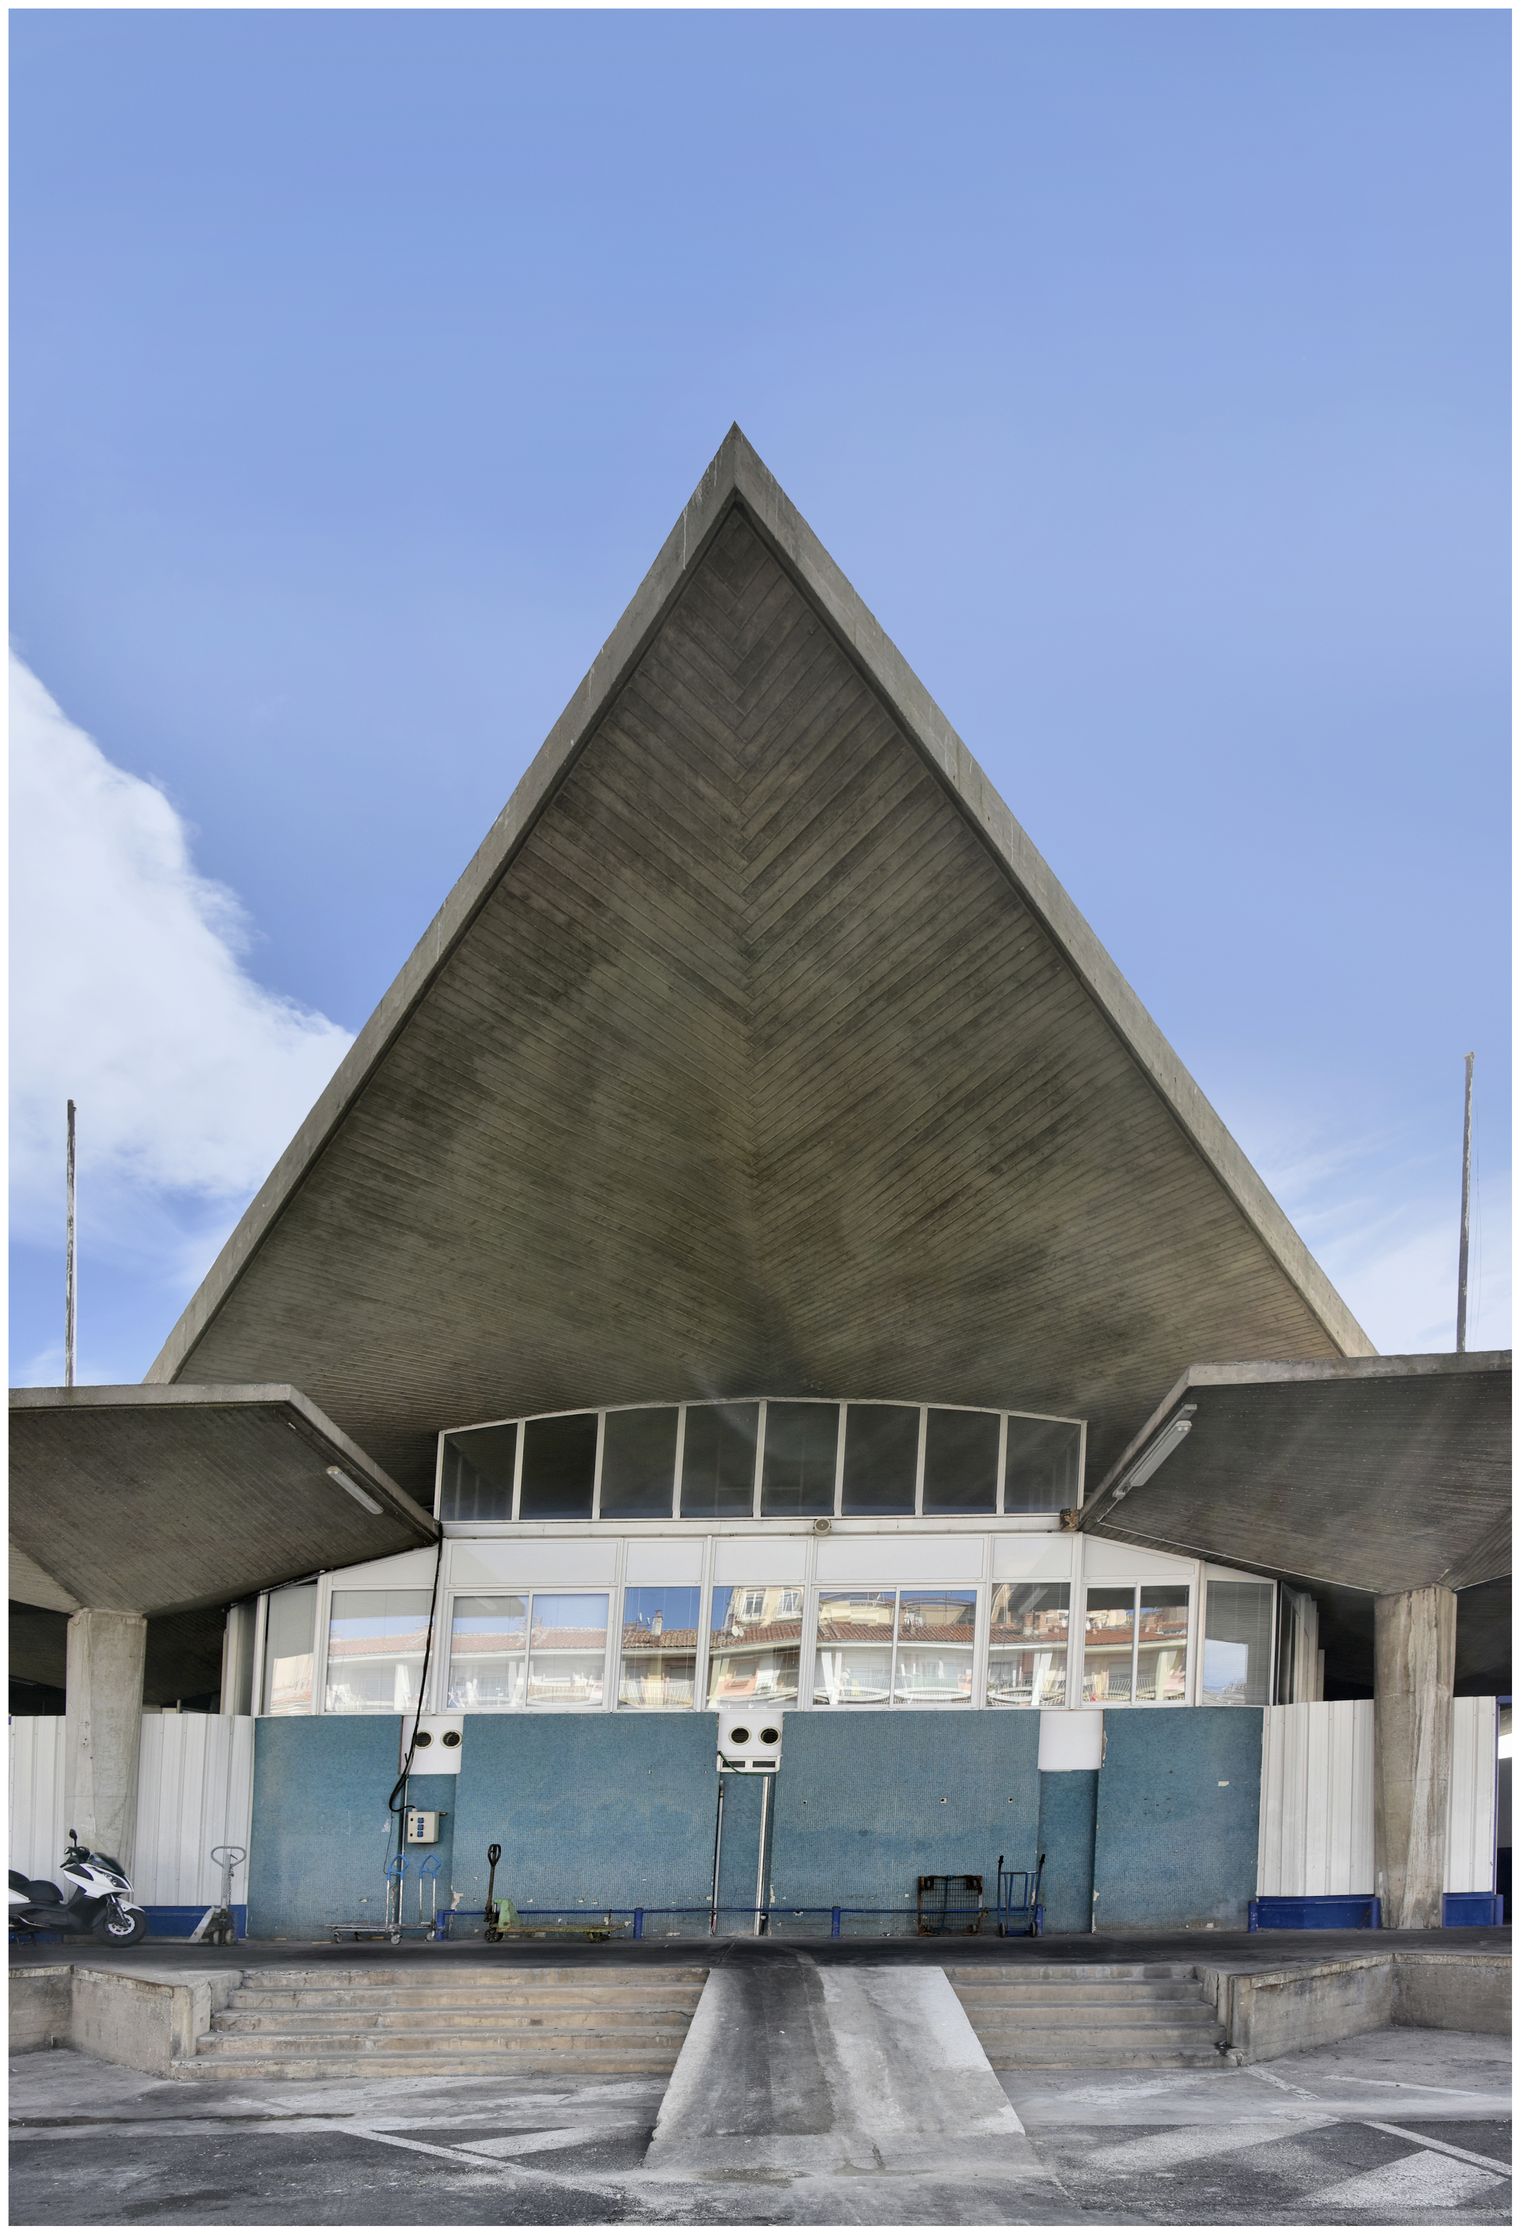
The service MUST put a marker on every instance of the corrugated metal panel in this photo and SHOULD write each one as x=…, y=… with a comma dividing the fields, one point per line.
x=1471, y=1799
x=1317, y=1799
x=195, y=1792
x=37, y=1827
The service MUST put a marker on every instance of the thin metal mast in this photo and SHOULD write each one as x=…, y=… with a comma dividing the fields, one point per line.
x=70, y=1275
x=1463, y=1222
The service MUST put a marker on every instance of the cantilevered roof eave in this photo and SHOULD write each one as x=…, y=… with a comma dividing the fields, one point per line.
x=1223, y=1527
x=160, y=1516
x=737, y=475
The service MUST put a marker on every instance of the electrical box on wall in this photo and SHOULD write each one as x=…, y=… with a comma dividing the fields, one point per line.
x=749, y=1738
x=440, y=1742
x=422, y=1827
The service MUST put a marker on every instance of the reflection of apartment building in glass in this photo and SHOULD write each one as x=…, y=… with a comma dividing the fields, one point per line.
x=760, y=1254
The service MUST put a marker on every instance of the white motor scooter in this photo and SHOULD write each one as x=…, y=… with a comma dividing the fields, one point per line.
x=99, y=1903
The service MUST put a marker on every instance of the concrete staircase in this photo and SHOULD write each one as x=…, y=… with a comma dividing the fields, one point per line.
x=421, y=2021
x=1090, y=2015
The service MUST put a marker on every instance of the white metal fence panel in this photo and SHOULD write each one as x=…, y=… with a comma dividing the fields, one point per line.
x=1471, y=1798
x=35, y=1795
x=194, y=1792
x=1316, y=1829
x=1316, y=1833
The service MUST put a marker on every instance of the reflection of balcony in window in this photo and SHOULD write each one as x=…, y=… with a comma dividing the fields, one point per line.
x=1026, y=1677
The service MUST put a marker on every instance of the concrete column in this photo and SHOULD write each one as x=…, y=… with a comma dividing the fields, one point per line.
x=103, y=1711
x=1414, y=1644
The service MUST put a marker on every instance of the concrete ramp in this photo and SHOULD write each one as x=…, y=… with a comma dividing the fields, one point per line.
x=849, y=2069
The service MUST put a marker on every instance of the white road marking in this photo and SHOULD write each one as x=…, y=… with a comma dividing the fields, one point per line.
x=1447, y=2149
x=1418, y=2182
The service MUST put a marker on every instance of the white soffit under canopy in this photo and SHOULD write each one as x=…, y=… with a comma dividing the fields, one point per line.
x=757, y=1047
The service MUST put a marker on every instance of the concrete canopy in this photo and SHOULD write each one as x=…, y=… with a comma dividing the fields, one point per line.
x=155, y=1500
x=757, y=1047
x=1383, y=1474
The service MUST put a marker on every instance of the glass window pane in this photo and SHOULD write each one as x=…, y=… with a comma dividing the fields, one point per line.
x=753, y=1650
x=1108, y=1638
x=1027, y=1645
x=1040, y=1466
x=639, y=1463
x=290, y=1628
x=1162, y=1644
x=1238, y=1643
x=797, y=1469
x=375, y=1647
x=856, y=1617
x=854, y=1663
x=559, y=1464
x=935, y=1630
x=718, y=1462
x=478, y=1470
x=567, y=1648
x=658, y=1663
x=487, y=1639
x=881, y=1458
x=961, y=1462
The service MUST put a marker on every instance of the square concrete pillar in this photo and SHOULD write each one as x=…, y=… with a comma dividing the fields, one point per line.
x=1414, y=1647
x=103, y=1713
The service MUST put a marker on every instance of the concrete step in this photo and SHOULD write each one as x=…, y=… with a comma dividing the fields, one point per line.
x=438, y=1971
x=1145, y=2035
x=636, y=2041
x=1090, y=2017
x=1015, y=1972
x=1097, y=1999
x=646, y=1994
x=399, y=2065
x=1109, y=2060
x=302, y=2022
x=441, y=2018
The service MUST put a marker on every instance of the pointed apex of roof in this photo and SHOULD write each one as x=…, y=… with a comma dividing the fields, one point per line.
x=1250, y=1263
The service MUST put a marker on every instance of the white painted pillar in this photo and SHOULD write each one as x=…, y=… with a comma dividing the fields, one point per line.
x=103, y=1710
x=1414, y=1649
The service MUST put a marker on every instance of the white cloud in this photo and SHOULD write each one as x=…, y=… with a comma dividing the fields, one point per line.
x=1385, y=1231
x=131, y=993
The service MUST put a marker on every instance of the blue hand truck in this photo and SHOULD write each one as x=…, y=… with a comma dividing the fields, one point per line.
x=1019, y=1911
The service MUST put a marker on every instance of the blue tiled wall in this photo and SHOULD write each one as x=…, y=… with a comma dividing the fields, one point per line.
x=618, y=1810
x=589, y=1810
x=740, y=1860
x=317, y=1851
x=1176, y=1836
x=1068, y=1812
x=865, y=1804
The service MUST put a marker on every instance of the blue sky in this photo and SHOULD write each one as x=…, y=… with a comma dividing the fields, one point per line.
x=1147, y=373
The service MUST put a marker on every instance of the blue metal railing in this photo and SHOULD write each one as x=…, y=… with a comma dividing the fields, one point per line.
x=639, y=1915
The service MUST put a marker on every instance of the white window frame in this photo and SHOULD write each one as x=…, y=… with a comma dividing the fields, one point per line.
x=332, y=1585
x=1135, y=1586
x=896, y=1591
x=713, y=1586
x=1209, y=1573
x=862, y=1523
x=699, y=1658
x=612, y=1592
x=1075, y=1591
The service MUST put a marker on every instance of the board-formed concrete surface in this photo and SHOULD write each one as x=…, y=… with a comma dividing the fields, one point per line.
x=1399, y=2129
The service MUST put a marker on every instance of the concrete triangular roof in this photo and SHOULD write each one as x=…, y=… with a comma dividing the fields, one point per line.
x=754, y=964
